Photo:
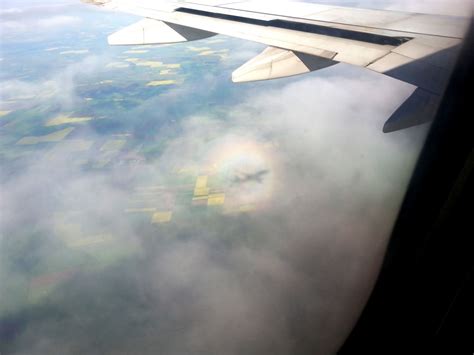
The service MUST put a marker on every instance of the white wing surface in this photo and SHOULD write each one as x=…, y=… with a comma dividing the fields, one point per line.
x=419, y=49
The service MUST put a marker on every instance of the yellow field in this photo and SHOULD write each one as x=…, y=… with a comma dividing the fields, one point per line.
x=166, y=72
x=162, y=217
x=52, y=137
x=201, y=182
x=247, y=208
x=149, y=63
x=161, y=82
x=62, y=119
x=206, y=51
x=223, y=53
x=141, y=51
x=216, y=200
x=201, y=189
x=201, y=198
x=233, y=210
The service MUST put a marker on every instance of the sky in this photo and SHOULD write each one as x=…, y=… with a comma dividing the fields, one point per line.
x=289, y=278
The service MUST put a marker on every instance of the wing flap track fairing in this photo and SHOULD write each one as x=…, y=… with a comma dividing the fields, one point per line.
x=149, y=31
x=274, y=63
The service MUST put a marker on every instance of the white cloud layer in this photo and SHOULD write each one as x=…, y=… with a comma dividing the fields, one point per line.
x=296, y=273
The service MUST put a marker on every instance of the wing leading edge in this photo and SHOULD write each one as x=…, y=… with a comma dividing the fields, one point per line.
x=419, y=49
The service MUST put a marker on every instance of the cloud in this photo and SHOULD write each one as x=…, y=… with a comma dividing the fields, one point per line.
x=40, y=19
x=290, y=277
x=55, y=22
x=58, y=21
x=10, y=11
x=59, y=88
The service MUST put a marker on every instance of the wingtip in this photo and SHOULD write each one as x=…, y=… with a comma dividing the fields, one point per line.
x=419, y=108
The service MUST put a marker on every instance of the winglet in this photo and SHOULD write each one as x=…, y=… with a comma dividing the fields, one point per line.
x=421, y=107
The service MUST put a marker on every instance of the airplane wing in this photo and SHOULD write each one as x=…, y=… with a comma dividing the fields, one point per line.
x=419, y=49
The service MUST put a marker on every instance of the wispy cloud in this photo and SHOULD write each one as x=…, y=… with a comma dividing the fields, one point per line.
x=59, y=88
x=34, y=19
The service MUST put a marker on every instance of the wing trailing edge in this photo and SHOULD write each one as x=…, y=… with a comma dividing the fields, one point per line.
x=274, y=63
x=149, y=31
